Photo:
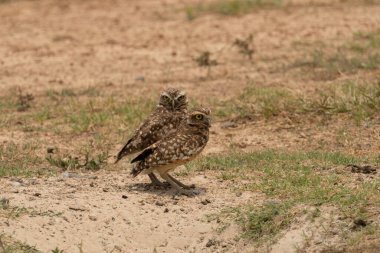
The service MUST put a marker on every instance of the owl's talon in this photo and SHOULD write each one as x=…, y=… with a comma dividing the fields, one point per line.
x=188, y=193
x=188, y=187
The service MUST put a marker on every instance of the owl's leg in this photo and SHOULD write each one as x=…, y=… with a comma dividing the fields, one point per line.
x=181, y=184
x=180, y=190
x=155, y=180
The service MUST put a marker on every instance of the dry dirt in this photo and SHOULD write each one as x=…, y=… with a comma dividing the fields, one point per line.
x=108, y=212
x=112, y=46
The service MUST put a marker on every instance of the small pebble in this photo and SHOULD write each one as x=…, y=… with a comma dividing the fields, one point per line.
x=158, y=203
x=210, y=243
x=205, y=201
x=50, y=150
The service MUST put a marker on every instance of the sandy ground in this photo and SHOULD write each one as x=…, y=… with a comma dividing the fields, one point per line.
x=112, y=213
x=113, y=45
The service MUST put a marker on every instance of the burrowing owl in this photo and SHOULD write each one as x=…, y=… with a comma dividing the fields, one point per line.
x=176, y=149
x=166, y=118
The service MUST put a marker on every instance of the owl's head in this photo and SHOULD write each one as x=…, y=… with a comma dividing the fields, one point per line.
x=200, y=117
x=173, y=99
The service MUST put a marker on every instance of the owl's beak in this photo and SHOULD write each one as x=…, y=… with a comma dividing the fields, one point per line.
x=173, y=104
x=209, y=122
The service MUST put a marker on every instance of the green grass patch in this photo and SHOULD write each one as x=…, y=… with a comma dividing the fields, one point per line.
x=264, y=222
x=229, y=7
x=360, y=100
x=90, y=161
x=76, y=112
x=293, y=179
x=97, y=113
x=16, y=160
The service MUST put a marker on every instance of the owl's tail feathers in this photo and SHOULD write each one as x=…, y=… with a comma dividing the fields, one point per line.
x=139, y=161
x=135, y=171
x=126, y=150
x=119, y=156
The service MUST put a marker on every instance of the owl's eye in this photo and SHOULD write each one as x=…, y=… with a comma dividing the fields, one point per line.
x=166, y=98
x=199, y=116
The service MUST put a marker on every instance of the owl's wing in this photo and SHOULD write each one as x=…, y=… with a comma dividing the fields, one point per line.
x=155, y=127
x=144, y=154
x=171, y=149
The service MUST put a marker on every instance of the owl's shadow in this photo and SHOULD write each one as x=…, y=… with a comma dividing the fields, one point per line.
x=166, y=189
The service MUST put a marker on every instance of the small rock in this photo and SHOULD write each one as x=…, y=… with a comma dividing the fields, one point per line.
x=158, y=203
x=16, y=184
x=238, y=194
x=92, y=217
x=205, y=201
x=77, y=208
x=175, y=197
x=92, y=184
x=124, y=196
x=166, y=210
x=140, y=78
x=68, y=174
x=105, y=189
x=37, y=194
x=359, y=223
x=229, y=124
x=210, y=243
x=50, y=150
x=366, y=169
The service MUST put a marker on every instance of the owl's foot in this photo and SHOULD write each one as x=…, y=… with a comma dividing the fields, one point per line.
x=184, y=186
x=180, y=190
x=155, y=181
x=188, y=193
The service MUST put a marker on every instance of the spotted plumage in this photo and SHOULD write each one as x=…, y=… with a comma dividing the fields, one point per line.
x=176, y=148
x=166, y=118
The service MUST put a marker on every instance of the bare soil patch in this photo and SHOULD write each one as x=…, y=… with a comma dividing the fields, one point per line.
x=76, y=77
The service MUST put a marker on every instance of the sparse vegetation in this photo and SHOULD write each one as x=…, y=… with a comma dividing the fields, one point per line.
x=23, y=102
x=11, y=212
x=294, y=179
x=7, y=245
x=57, y=250
x=204, y=60
x=4, y=203
x=265, y=222
x=19, y=159
x=362, y=53
x=360, y=100
x=66, y=163
x=245, y=46
x=295, y=101
x=229, y=7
